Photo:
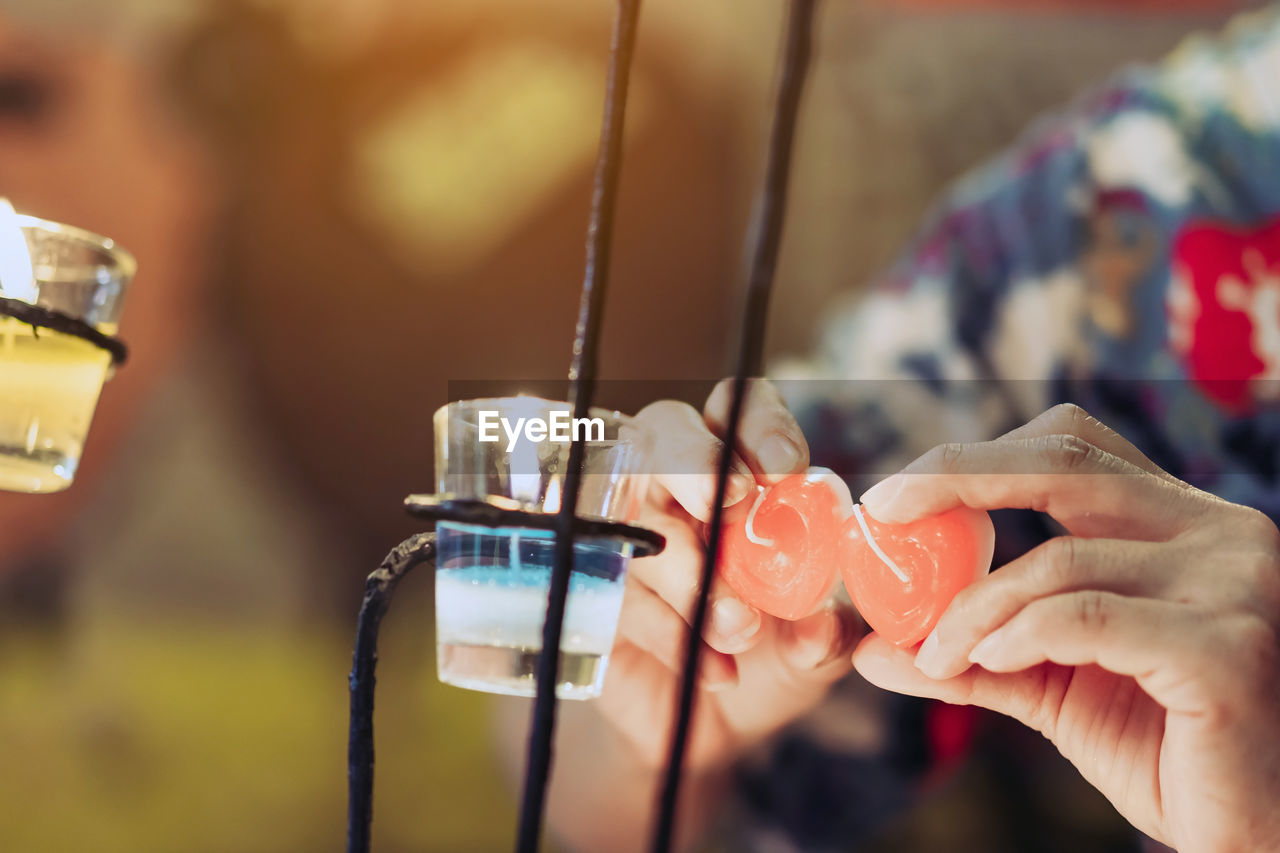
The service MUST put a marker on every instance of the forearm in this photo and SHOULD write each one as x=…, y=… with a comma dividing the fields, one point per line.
x=602, y=795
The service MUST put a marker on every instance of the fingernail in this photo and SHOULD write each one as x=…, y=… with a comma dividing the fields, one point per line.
x=988, y=652
x=879, y=498
x=740, y=485
x=734, y=621
x=778, y=455
x=928, y=660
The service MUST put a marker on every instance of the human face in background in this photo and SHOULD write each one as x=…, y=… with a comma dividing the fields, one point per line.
x=85, y=139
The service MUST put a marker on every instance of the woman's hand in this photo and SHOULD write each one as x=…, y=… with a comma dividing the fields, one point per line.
x=1143, y=644
x=758, y=672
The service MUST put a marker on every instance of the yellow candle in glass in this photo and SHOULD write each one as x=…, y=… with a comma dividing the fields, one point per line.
x=49, y=387
x=50, y=381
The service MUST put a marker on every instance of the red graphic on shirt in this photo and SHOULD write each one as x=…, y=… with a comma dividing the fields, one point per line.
x=1224, y=312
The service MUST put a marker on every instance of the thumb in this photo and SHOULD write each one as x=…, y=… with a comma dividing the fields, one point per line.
x=1026, y=695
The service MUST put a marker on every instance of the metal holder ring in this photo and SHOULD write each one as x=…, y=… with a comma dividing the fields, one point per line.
x=55, y=321
x=495, y=511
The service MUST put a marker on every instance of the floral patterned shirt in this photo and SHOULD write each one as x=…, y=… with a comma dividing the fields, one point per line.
x=1123, y=255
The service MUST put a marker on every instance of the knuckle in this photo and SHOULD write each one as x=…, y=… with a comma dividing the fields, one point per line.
x=1072, y=418
x=1262, y=577
x=1254, y=645
x=1046, y=701
x=950, y=456
x=1092, y=610
x=1059, y=561
x=1258, y=526
x=1068, y=453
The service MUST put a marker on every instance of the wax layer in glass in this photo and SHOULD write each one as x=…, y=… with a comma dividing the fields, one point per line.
x=49, y=387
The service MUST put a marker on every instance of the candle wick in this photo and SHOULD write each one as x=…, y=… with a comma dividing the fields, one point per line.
x=875, y=547
x=751, y=519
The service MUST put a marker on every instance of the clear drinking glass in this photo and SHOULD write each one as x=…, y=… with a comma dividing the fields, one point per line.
x=49, y=381
x=492, y=584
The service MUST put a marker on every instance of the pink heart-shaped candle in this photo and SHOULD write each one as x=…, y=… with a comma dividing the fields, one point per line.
x=901, y=577
x=779, y=547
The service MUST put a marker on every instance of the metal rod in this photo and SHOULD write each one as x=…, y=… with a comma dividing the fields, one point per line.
x=582, y=379
x=377, y=598
x=766, y=235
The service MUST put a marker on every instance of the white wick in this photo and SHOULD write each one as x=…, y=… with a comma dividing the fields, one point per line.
x=751, y=520
x=875, y=548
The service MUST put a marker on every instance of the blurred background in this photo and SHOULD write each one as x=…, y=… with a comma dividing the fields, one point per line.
x=338, y=207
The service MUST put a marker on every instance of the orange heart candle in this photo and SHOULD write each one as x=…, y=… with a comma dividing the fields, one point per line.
x=902, y=577
x=780, y=550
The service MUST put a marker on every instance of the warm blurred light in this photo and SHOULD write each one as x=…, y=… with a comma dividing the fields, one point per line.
x=451, y=173
x=17, y=279
x=1141, y=6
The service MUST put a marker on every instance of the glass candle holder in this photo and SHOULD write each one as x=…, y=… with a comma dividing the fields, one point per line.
x=50, y=381
x=492, y=583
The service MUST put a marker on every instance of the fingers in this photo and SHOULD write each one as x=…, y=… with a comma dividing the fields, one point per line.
x=1028, y=696
x=814, y=643
x=770, y=440
x=674, y=576
x=1175, y=652
x=1091, y=491
x=1070, y=419
x=649, y=623
x=639, y=698
x=789, y=671
x=687, y=455
x=1043, y=697
x=1061, y=565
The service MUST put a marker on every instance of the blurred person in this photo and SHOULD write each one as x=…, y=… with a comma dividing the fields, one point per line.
x=139, y=607
x=85, y=140
x=190, y=560
x=1121, y=255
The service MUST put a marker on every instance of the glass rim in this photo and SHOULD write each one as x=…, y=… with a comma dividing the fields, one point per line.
x=122, y=262
x=612, y=415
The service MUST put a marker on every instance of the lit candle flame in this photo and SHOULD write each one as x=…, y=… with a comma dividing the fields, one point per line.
x=526, y=473
x=17, y=278
x=552, y=501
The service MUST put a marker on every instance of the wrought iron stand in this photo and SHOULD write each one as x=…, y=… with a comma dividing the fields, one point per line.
x=766, y=238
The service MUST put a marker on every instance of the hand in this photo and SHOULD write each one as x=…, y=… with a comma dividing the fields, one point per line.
x=758, y=672
x=1143, y=644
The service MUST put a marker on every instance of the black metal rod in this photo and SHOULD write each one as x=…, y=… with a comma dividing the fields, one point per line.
x=766, y=235
x=377, y=598
x=582, y=379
